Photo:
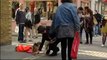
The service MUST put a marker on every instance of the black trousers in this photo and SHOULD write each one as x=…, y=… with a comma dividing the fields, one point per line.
x=53, y=47
x=20, y=34
x=45, y=37
x=64, y=43
x=89, y=33
x=81, y=29
x=42, y=42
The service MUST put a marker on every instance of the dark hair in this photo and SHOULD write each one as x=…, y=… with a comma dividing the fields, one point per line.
x=86, y=7
x=80, y=8
x=64, y=1
x=89, y=10
x=27, y=9
x=35, y=44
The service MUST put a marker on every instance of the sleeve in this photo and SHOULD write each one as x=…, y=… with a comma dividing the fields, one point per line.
x=17, y=16
x=76, y=19
x=28, y=16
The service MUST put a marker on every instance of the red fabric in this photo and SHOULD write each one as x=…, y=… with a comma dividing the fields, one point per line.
x=19, y=48
x=26, y=48
x=22, y=48
x=75, y=46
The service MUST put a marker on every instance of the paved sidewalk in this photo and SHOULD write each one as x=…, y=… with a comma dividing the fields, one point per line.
x=94, y=51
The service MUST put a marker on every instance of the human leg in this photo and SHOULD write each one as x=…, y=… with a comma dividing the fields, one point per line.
x=87, y=41
x=70, y=41
x=21, y=36
x=63, y=48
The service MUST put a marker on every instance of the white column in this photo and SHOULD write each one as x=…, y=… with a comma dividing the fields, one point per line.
x=93, y=5
x=100, y=7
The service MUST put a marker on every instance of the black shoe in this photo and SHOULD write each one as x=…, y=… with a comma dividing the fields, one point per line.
x=86, y=43
x=21, y=41
x=80, y=42
x=53, y=54
x=30, y=41
x=90, y=42
x=47, y=52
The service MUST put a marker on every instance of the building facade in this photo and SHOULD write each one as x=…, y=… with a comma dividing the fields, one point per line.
x=101, y=6
x=5, y=22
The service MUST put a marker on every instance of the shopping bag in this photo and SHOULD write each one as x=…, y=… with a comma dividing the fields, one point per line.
x=75, y=46
x=16, y=29
x=95, y=21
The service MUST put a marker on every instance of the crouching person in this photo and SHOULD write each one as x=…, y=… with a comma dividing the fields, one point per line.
x=51, y=39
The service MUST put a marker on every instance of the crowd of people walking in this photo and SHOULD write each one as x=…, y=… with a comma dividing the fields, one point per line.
x=66, y=22
x=92, y=24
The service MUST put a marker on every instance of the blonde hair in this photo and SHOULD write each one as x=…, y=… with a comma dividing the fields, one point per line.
x=20, y=4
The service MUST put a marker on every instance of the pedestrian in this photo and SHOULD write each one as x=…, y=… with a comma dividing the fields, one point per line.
x=28, y=25
x=20, y=21
x=37, y=17
x=15, y=6
x=44, y=30
x=81, y=16
x=98, y=17
x=88, y=25
x=104, y=31
x=64, y=25
x=32, y=8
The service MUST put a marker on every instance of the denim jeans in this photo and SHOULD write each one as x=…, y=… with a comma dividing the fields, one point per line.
x=97, y=30
x=20, y=34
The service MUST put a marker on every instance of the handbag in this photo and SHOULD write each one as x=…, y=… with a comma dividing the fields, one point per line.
x=16, y=29
x=95, y=20
x=75, y=46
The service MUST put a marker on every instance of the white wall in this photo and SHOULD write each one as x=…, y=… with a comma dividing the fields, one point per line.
x=93, y=5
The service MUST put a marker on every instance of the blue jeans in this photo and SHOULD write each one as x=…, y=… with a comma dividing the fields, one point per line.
x=97, y=30
x=20, y=34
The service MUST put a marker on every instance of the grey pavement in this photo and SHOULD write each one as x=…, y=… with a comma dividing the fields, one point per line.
x=94, y=51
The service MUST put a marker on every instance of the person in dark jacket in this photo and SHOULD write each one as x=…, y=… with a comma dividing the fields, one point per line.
x=15, y=6
x=97, y=26
x=28, y=25
x=66, y=24
x=38, y=16
x=20, y=21
x=88, y=24
x=46, y=37
x=81, y=16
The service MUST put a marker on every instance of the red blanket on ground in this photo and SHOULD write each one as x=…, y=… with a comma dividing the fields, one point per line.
x=22, y=48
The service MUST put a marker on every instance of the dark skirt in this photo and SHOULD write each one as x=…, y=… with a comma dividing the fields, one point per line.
x=28, y=24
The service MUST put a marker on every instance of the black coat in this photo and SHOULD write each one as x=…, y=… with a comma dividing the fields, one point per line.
x=37, y=18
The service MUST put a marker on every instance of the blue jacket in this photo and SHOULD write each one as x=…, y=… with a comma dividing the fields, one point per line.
x=66, y=21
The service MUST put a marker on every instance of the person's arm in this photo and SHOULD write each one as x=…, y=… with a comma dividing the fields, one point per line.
x=17, y=16
x=75, y=19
